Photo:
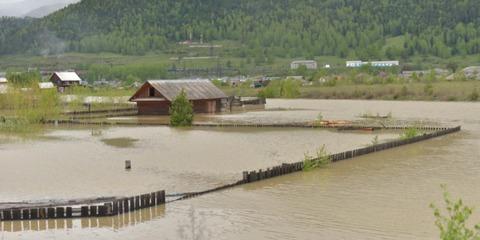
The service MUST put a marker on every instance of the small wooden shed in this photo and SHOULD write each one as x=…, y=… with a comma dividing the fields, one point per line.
x=154, y=97
x=63, y=80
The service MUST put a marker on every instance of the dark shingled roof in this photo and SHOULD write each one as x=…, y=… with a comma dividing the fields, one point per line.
x=195, y=89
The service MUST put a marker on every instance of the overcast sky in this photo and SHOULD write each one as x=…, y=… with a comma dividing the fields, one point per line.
x=21, y=7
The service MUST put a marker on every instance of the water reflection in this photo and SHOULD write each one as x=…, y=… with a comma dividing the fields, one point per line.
x=114, y=223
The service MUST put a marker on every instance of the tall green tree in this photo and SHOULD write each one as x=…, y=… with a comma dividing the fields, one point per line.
x=181, y=111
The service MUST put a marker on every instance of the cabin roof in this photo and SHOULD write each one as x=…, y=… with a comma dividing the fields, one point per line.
x=3, y=80
x=68, y=76
x=195, y=89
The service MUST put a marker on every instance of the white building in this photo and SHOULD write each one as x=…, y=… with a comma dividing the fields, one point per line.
x=3, y=81
x=356, y=64
x=310, y=64
x=46, y=85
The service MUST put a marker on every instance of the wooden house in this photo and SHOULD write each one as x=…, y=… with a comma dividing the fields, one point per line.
x=64, y=80
x=155, y=97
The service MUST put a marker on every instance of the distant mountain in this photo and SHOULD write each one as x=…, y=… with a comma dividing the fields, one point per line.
x=31, y=8
x=257, y=29
x=45, y=10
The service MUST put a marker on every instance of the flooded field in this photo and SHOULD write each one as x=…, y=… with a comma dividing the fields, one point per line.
x=379, y=196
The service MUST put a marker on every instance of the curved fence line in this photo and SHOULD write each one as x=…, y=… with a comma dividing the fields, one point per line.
x=124, y=205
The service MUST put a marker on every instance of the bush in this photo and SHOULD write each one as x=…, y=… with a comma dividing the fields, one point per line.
x=181, y=111
x=321, y=160
x=288, y=88
x=453, y=225
x=410, y=133
x=474, y=96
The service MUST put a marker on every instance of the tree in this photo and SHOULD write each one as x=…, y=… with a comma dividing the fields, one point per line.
x=181, y=111
x=453, y=225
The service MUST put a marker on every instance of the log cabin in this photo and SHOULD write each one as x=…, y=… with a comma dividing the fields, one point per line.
x=155, y=96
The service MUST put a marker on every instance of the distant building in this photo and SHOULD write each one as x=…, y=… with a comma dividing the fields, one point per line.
x=3, y=85
x=64, y=80
x=436, y=71
x=295, y=77
x=46, y=85
x=356, y=64
x=155, y=97
x=309, y=64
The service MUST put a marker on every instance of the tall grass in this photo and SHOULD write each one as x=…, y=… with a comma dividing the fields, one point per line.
x=22, y=109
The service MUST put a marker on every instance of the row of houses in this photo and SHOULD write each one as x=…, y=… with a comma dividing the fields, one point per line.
x=313, y=65
x=357, y=64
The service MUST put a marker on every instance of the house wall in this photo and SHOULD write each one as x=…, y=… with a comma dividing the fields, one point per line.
x=153, y=108
x=144, y=92
x=206, y=106
x=162, y=107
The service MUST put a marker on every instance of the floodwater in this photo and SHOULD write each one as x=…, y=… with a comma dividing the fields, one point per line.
x=380, y=196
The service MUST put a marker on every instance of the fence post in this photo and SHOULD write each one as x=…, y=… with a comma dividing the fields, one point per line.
x=26, y=214
x=69, y=212
x=60, y=212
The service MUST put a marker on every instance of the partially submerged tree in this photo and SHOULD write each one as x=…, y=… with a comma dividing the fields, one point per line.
x=181, y=111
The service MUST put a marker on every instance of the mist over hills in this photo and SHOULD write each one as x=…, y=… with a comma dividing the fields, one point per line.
x=31, y=8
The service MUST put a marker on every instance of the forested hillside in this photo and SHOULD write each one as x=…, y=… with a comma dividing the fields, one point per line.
x=367, y=29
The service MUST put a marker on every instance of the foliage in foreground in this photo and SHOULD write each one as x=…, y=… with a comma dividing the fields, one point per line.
x=181, y=111
x=453, y=223
x=322, y=159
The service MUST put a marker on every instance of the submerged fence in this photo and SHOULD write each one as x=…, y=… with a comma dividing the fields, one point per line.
x=350, y=127
x=119, y=206
x=110, y=208
x=286, y=168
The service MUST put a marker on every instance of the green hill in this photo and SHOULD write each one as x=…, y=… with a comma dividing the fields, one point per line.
x=260, y=28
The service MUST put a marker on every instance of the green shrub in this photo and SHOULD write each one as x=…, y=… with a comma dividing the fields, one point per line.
x=428, y=89
x=410, y=133
x=26, y=107
x=474, y=96
x=322, y=159
x=453, y=225
x=288, y=88
x=181, y=111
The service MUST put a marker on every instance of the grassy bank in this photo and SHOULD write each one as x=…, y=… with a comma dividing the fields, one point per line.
x=438, y=91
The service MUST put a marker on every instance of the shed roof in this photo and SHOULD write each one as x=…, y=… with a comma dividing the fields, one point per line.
x=195, y=89
x=68, y=76
x=3, y=80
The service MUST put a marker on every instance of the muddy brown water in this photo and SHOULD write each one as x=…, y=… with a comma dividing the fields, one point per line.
x=380, y=196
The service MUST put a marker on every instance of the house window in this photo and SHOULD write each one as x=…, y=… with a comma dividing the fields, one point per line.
x=151, y=92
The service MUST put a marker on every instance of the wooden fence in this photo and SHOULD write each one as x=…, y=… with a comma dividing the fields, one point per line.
x=111, y=208
x=285, y=168
x=259, y=125
x=106, y=111
x=119, y=206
